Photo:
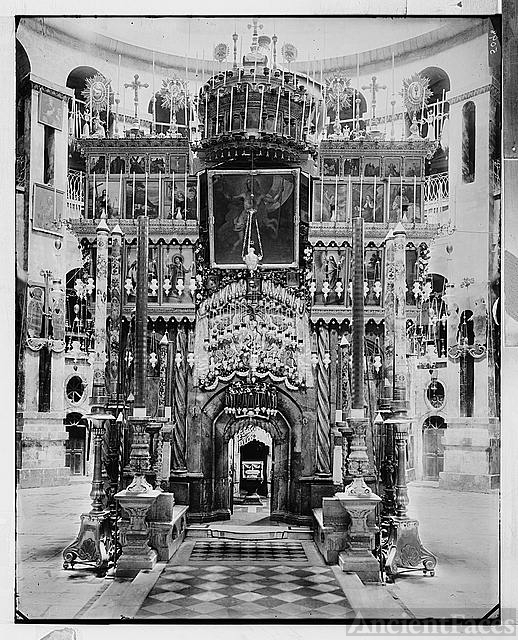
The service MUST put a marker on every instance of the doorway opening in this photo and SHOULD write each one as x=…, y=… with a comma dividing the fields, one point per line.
x=250, y=460
x=433, y=448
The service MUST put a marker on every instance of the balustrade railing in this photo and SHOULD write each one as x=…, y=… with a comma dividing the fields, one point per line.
x=75, y=193
x=436, y=197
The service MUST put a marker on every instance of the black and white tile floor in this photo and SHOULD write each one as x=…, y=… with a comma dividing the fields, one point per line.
x=297, y=588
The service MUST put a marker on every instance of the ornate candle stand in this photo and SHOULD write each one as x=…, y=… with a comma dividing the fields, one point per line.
x=94, y=545
x=404, y=549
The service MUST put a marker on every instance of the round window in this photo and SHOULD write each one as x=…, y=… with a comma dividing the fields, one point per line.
x=435, y=394
x=75, y=389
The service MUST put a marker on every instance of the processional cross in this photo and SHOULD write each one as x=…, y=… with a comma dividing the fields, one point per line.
x=136, y=85
x=374, y=87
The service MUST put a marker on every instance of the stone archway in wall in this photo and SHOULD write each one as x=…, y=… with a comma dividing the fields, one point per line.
x=211, y=431
x=279, y=429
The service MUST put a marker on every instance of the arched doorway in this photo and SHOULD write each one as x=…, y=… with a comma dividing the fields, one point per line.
x=272, y=461
x=76, y=451
x=433, y=448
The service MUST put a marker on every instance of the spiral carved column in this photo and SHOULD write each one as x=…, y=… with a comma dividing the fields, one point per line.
x=323, y=462
x=180, y=402
x=112, y=367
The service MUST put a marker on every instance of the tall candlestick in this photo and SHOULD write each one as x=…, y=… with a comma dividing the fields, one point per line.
x=55, y=195
x=230, y=114
x=120, y=194
x=185, y=195
x=246, y=106
x=277, y=109
x=400, y=197
x=322, y=197
x=336, y=197
x=354, y=109
x=106, y=198
x=349, y=195
x=374, y=202
x=206, y=113
x=261, y=109
x=172, y=198
x=289, y=113
x=159, y=192
x=217, y=111
x=361, y=194
x=303, y=114
x=133, y=201
x=393, y=76
x=415, y=198
x=145, y=198
x=93, y=198
x=153, y=125
x=389, y=204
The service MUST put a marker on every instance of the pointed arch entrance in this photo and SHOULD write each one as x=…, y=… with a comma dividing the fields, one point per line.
x=228, y=427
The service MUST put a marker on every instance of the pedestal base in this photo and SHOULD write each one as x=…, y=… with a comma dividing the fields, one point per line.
x=93, y=546
x=405, y=551
x=136, y=552
x=364, y=564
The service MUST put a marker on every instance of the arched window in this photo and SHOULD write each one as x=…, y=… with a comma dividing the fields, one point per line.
x=468, y=142
x=435, y=118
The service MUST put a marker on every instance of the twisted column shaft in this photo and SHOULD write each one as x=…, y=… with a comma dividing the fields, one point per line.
x=112, y=367
x=180, y=401
x=323, y=427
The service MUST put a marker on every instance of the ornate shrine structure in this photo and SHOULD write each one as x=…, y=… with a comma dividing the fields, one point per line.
x=265, y=279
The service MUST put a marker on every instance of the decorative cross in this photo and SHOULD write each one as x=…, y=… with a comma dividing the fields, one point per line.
x=374, y=87
x=136, y=85
x=255, y=26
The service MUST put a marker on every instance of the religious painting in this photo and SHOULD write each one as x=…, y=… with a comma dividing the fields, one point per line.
x=47, y=208
x=157, y=164
x=50, y=111
x=178, y=270
x=352, y=167
x=371, y=206
x=392, y=167
x=35, y=302
x=413, y=167
x=330, y=202
x=130, y=280
x=137, y=164
x=398, y=203
x=97, y=164
x=177, y=164
x=331, y=166
x=117, y=164
x=104, y=197
x=371, y=167
x=253, y=214
x=329, y=275
x=140, y=200
x=153, y=271
x=372, y=274
x=179, y=207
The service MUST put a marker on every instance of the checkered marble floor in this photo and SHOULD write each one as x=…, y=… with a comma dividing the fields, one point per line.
x=252, y=591
x=251, y=550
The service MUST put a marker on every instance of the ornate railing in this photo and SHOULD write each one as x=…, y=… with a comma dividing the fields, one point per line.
x=436, y=197
x=75, y=194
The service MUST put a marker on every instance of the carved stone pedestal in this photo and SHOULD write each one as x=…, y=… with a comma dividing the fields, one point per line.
x=136, y=552
x=358, y=556
x=405, y=551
